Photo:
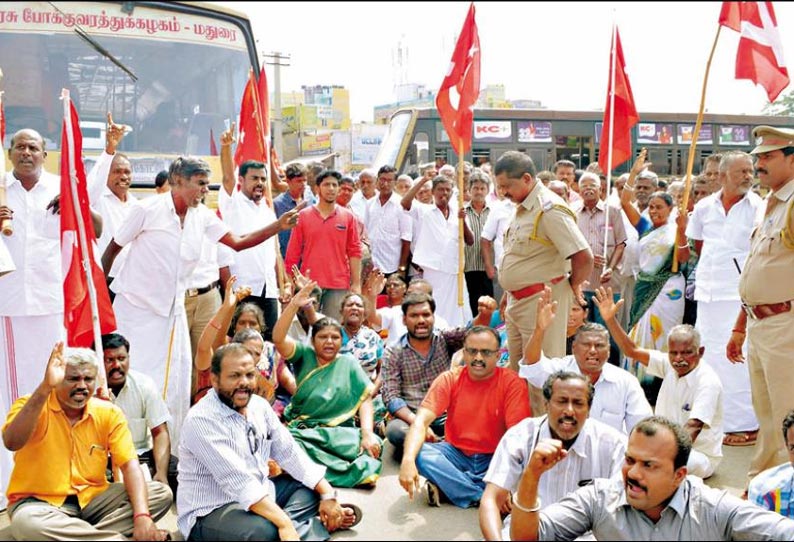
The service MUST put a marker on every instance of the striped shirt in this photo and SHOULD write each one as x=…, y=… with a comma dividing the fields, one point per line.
x=474, y=261
x=223, y=458
x=591, y=222
x=773, y=489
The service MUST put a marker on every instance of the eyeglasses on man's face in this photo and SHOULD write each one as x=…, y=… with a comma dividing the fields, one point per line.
x=485, y=352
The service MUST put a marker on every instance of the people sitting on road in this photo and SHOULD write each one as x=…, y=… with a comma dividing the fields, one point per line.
x=595, y=449
x=619, y=401
x=422, y=354
x=142, y=404
x=331, y=390
x=481, y=402
x=225, y=492
x=691, y=392
x=654, y=500
x=62, y=436
x=773, y=488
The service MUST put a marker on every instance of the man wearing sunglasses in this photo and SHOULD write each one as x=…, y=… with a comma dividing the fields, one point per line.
x=482, y=401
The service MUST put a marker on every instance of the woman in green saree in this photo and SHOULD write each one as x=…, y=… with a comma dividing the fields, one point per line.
x=331, y=390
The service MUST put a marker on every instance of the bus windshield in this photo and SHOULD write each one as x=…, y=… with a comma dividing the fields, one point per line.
x=392, y=144
x=172, y=74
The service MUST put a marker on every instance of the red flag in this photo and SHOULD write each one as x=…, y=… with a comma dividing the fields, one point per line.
x=252, y=143
x=213, y=147
x=625, y=113
x=464, y=75
x=759, y=57
x=77, y=303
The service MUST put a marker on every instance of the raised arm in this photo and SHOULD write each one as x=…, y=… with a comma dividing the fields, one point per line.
x=214, y=334
x=18, y=432
x=609, y=309
x=628, y=189
x=284, y=344
x=486, y=306
x=227, y=164
x=409, y=196
x=547, y=311
x=375, y=282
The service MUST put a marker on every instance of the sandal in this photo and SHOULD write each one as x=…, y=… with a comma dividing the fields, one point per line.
x=741, y=438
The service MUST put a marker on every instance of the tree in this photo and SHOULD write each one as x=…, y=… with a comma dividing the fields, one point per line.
x=782, y=107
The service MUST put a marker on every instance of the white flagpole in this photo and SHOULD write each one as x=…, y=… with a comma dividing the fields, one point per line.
x=611, y=137
x=67, y=117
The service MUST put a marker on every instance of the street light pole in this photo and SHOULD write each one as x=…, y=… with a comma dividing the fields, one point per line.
x=278, y=60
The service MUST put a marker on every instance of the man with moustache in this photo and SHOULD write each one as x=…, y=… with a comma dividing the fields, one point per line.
x=225, y=492
x=388, y=226
x=481, y=402
x=691, y=393
x=721, y=225
x=143, y=406
x=767, y=295
x=619, y=400
x=596, y=451
x=543, y=247
x=411, y=366
x=366, y=191
x=655, y=500
x=61, y=436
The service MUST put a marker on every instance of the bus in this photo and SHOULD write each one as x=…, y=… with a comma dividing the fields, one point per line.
x=417, y=136
x=172, y=72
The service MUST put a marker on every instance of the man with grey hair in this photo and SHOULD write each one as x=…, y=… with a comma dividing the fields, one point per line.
x=62, y=436
x=691, y=393
x=165, y=234
x=646, y=184
x=366, y=191
x=721, y=225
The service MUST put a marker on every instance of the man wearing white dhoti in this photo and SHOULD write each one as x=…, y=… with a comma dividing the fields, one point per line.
x=721, y=225
x=437, y=251
x=165, y=236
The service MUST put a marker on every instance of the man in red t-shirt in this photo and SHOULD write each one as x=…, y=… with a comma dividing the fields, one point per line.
x=482, y=402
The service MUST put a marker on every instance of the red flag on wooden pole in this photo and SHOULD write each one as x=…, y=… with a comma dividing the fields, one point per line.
x=620, y=112
x=759, y=57
x=463, y=75
x=252, y=144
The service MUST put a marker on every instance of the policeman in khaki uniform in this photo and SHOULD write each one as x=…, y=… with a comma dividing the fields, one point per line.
x=767, y=292
x=537, y=246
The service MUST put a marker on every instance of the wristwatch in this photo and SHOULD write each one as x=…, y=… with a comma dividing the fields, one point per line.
x=401, y=268
x=329, y=496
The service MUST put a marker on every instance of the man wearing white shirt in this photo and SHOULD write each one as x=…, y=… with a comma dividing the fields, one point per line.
x=246, y=210
x=691, y=393
x=595, y=450
x=31, y=298
x=619, y=400
x=388, y=225
x=437, y=248
x=721, y=225
x=165, y=235
x=366, y=192
x=492, y=242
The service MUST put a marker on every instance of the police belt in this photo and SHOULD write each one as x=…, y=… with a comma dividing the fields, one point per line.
x=536, y=288
x=193, y=292
x=759, y=312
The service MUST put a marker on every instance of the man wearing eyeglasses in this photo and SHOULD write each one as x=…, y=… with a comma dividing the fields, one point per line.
x=225, y=492
x=482, y=401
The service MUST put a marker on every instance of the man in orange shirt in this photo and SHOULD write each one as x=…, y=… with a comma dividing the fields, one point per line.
x=482, y=402
x=62, y=437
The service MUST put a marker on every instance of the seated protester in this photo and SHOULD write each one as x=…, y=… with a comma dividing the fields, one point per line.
x=365, y=345
x=619, y=401
x=142, y=404
x=576, y=319
x=236, y=319
x=595, y=450
x=411, y=366
x=481, y=402
x=331, y=389
x=269, y=364
x=228, y=440
x=654, y=500
x=389, y=320
x=773, y=488
x=691, y=392
x=61, y=436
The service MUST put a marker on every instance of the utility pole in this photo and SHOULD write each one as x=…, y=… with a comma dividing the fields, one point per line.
x=277, y=60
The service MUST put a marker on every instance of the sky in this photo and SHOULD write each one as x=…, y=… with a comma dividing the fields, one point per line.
x=554, y=52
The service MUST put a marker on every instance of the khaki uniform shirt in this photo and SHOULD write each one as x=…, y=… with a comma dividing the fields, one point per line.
x=536, y=249
x=766, y=276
